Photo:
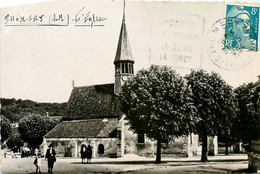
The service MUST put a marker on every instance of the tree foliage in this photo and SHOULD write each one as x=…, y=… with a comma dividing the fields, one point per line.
x=158, y=102
x=32, y=129
x=14, y=109
x=15, y=140
x=5, y=128
x=214, y=100
x=247, y=121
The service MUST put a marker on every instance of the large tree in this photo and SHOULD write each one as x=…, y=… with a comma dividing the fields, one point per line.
x=32, y=128
x=248, y=119
x=214, y=100
x=5, y=128
x=15, y=141
x=158, y=102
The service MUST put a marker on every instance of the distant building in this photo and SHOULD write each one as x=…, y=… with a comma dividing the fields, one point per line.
x=14, y=125
x=104, y=126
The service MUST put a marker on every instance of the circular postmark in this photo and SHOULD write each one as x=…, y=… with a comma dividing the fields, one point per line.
x=231, y=43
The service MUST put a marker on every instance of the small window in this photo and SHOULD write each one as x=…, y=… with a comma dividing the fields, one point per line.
x=126, y=68
x=140, y=138
x=131, y=69
x=117, y=69
x=118, y=135
x=123, y=68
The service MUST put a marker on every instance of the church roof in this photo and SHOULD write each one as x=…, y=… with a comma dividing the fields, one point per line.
x=97, y=101
x=93, y=128
x=123, y=52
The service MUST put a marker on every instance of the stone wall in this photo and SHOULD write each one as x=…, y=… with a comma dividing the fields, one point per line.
x=176, y=148
x=70, y=147
x=180, y=147
x=132, y=146
x=195, y=145
x=254, y=157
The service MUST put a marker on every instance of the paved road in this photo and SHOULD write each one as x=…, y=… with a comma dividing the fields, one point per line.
x=222, y=164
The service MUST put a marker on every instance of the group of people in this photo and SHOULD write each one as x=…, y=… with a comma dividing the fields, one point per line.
x=86, y=152
x=50, y=156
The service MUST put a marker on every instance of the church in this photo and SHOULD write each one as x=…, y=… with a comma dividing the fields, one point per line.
x=94, y=118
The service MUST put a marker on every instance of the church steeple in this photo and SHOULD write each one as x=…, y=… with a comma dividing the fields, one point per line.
x=124, y=62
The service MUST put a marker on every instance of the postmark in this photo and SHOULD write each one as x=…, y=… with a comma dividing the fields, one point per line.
x=233, y=41
x=179, y=42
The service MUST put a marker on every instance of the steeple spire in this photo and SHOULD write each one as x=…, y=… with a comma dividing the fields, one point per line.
x=124, y=12
x=124, y=59
x=123, y=48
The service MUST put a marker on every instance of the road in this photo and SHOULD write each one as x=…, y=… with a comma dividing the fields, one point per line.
x=233, y=164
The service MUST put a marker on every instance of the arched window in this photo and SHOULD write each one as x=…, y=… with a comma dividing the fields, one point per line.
x=100, y=149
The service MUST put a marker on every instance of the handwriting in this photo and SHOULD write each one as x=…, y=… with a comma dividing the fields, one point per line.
x=22, y=19
x=88, y=19
x=83, y=18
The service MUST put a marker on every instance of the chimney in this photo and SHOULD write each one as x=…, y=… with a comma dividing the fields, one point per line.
x=73, y=84
x=47, y=114
x=258, y=78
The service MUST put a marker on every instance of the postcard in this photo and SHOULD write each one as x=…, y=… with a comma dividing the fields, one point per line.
x=48, y=49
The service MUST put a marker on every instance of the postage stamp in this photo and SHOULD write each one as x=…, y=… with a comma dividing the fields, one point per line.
x=241, y=30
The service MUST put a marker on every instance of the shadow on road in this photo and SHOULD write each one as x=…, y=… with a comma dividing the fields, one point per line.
x=177, y=162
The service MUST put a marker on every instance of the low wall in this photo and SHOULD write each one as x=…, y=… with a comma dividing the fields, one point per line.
x=254, y=157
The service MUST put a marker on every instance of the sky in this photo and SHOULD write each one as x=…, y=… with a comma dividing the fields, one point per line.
x=40, y=62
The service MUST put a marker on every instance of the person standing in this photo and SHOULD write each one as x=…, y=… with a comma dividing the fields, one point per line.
x=37, y=162
x=36, y=151
x=5, y=152
x=83, y=152
x=89, y=154
x=50, y=156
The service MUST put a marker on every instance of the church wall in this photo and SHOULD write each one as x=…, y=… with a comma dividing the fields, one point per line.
x=196, y=146
x=110, y=147
x=177, y=148
x=70, y=147
x=133, y=147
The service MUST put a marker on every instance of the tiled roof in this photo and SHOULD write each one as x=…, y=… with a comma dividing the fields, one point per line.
x=93, y=128
x=97, y=101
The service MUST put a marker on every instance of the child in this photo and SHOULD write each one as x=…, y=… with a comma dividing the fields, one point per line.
x=37, y=162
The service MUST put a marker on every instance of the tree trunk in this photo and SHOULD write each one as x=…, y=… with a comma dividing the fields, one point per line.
x=226, y=153
x=204, y=154
x=158, y=153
